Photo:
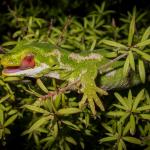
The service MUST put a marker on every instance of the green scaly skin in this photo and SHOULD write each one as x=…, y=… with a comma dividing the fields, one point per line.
x=64, y=65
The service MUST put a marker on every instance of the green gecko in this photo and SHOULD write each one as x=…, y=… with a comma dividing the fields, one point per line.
x=36, y=59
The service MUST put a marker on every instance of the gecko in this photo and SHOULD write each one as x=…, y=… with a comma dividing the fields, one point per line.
x=36, y=59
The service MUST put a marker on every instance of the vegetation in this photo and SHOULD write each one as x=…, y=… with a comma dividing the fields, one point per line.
x=29, y=122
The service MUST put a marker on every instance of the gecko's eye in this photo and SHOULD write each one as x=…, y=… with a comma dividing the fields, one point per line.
x=28, y=62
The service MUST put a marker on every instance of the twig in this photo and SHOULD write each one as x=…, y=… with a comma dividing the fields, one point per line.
x=60, y=38
x=50, y=27
x=111, y=62
x=60, y=90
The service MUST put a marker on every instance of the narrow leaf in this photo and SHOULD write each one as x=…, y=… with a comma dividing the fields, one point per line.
x=142, y=108
x=41, y=85
x=119, y=106
x=123, y=144
x=137, y=100
x=131, y=60
x=107, y=139
x=131, y=30
x=144, y=55
x=145, y=116
x=108, y=128
x=121, y=100
x=38, y=123
x=1, y=117
x=126, y=67
x=120, y=146
x=116, y=113
x=68, y=111
x=143, y=43
x=142, y=70
x=146, y=34
x=35, y=108
x=132, y=140
x=10, y=120
x=9, y=43
x=123, y=118
x=132, y=124
x=71, y=125
x=126, y=129
x=71, y=140
x=114, y=44
x=55, y=132
x=130, y=100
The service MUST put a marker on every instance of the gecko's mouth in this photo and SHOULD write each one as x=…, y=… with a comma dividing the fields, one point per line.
x=28, y=62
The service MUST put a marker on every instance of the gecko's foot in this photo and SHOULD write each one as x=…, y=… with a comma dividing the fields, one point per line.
x=90, y=94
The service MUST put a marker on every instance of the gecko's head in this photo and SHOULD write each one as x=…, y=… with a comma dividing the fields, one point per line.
x=27, y=59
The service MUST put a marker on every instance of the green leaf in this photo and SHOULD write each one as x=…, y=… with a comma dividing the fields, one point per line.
x=10, y=120
x=111, y=54
x=132, y=124
x=123, y=118
x=131, y=30
x=1, y=117
x=65, y=147
x=144, y=55
x=9, y=43
x=7, y=131
x=55, y=132
x=36, y=139
x=126, y=67
x=108, y=128
x=137, y=100
x=145, y=116
x=143, y=43
x=108, y=139
x=57, y=101
x=68, y=111
x=120, y=146
x=33, y=92
x=49, y=142
x=119, y=106
x=114, y=44
x=126, y=129
x=132, y=140
x=12, y=111
x=141, y=70
x=146, y=34
x=116, y=113
x=123, y=144
x=121, y=100
x=36, y=109
x=130, y=100
x=4, y=98
x=131, y=60
x=41, y=85
x=17, y=34
x=93, y=45
x=71, y=125
x=142, y=108
x=51, y=138
x=10, y=79
x=71, y=140
x=38, y=123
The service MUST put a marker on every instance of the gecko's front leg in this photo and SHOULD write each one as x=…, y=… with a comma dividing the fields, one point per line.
x=90, y=90
x=90, y=94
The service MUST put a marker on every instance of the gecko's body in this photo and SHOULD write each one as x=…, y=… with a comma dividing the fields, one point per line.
x=37, y=59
